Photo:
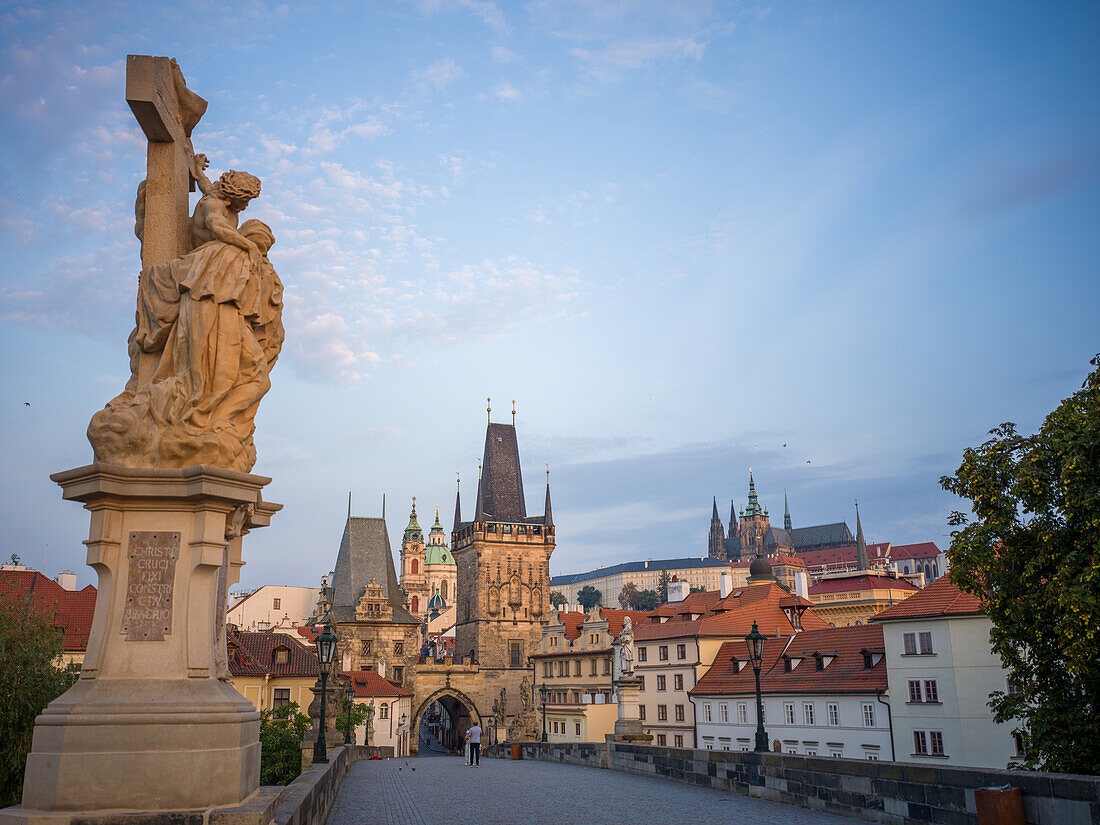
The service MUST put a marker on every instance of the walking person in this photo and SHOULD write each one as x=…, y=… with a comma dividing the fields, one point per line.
x=466, y=748
x=474, y=735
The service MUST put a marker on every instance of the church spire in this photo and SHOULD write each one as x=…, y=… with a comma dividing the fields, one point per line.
x=863, y=560
x=735, y=529
x=753, y=508
x=458, y=502
x=786, y=513
x=716, y=544
x=479, y=514
x=547, y=518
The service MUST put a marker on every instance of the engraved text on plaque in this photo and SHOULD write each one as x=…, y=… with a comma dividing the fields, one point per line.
x=152, y=568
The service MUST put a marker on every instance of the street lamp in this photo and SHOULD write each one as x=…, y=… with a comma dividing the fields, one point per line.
x=326, y=648
x=349, y=696
x=755, y=642
x=543, y=691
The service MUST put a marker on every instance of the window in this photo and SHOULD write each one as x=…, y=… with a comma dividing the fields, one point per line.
x=515, y=655
x=832, y=711
x=662, y=713
x=661, y=739
x=926, y=642
x=660, y=682
x=742, y=713
x=811, y=751
x=641, y=712
x=872, y=757
x=679, y=713
x=914, y=691
x=808, y=715
x=836, y=754
x=1018, y=741
x=398, y=648
x=678, y=741
x=414, y=567
x=553, y=641
x=364, y=647
x=931, y=692
x=443, y=589
x=577, y=725
x=641, y=683
x=706, y=712
x=415, y=607
x=642, y=654
x=282, y=655
x=275, y=604
x=281, y=697
x=662, y=653
x=910, y=642
x=935, y=739
x=681, y=651
x=868, y=715
x=792, y=748
x=592, y=667
x=384, y=711
x=723, y=712
x=399, y=674
x=607, y=667
x=576, y=667
x=920, y=742
x=788, y=712
x=678, y=682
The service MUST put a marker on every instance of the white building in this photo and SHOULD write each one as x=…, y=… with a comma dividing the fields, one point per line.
x=272, y=606
x=821, y=689
x=941, y=673
x=697, y=572
x=391, y=704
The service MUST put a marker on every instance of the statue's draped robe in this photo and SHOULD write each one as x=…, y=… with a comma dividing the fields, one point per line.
x=208, y=332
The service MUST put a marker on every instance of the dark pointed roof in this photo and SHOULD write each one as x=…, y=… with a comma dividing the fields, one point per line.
x=786, y=513
x=714, y=514
x=547, y=518
x=822, y=536
x=364, y=555
x=501, y=481
x=753, y=508
x=458, y=509
x=862, y=560
x=733, y=520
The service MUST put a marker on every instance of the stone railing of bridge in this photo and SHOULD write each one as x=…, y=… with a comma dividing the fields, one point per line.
x=889, y=792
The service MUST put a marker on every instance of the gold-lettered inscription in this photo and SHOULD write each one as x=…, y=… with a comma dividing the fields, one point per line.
x=152, y=561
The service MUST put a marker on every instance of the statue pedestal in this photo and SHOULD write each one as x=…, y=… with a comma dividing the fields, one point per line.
x=153, y=726
x=628, y=726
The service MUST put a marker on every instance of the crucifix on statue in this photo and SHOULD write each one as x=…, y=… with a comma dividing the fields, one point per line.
x=167, y=112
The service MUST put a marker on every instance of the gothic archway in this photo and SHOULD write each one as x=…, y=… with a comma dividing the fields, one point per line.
x=455, y=711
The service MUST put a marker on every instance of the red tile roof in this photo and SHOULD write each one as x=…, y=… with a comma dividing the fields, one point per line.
x=252, y=653
x=788, y=560
x=572, y=620
x=861, y=582
x=922, y=550
x=843, y=555
x=845, y=673
x=309, y=632
x=940, y=598
x=369, y=684
x=72, y=609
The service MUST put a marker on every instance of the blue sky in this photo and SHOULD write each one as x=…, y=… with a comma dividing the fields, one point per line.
x=836, y=242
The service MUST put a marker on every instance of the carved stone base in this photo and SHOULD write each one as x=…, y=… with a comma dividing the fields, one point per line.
x=258, y=809
x=152, y=725
x=629, y=721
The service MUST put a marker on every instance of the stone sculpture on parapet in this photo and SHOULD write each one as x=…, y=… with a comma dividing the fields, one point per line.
x=626, y=647
x=152, y=726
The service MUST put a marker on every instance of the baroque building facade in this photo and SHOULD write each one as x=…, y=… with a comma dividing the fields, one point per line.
x=429, y=575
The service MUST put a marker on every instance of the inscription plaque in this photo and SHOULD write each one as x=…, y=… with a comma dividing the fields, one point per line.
x=147, y=616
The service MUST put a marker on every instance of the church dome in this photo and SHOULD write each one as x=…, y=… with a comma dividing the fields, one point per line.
x=760, y=569
x=438, y=554
x=436, y=603
x=413, y=531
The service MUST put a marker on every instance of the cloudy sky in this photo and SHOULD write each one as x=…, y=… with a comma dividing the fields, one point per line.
x=836, y=242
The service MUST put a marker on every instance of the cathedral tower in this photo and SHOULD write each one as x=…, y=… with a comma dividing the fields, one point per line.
x=716, y=544
x=754, y=524
x=503, y=558
x=414, y=580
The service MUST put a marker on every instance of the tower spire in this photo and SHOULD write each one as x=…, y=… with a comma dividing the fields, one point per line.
x=716, y=543
x=786, y=513
x=479, y=514
x=458, y=502
x=547, y=518
x=734, y=528
x=753, y=508
x=863, y=560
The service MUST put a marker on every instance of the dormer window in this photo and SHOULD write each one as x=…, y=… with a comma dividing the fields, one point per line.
x=234, y=654
x=791, y=662
x=281, y=656
x=823, y=660
x=871, y=658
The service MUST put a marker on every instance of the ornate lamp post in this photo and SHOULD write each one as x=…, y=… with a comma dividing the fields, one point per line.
x=543, y=692
x=349, y=696
x=755, y=642
x=326, y=648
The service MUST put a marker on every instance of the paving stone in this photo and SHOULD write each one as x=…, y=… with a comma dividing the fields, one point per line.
x=503, y=792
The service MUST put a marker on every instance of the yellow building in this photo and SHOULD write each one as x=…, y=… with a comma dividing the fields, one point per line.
x=271, y=669
x=853, y=598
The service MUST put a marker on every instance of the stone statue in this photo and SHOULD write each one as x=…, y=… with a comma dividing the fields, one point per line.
x=525, y=694
x=209, y=330
x=626, y=647
x=500, y=707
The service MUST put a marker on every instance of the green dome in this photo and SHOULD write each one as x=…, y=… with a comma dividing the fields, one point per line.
x=436, y=554
x=413, y=531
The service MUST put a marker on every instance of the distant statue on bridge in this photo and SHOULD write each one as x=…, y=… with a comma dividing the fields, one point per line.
x=626, y=647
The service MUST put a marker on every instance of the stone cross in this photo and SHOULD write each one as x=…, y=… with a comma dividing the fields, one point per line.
x=167, y=112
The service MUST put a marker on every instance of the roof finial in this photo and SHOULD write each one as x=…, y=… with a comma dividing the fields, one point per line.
x=513, y=412
x=458, y=479
x=349, y=503
x=383, y=506
x=489, y=409
x=547, y=473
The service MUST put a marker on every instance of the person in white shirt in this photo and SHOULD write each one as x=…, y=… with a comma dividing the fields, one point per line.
x=475, y=744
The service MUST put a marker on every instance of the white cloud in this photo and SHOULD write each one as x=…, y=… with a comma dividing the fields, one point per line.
x=439, y=75
x=503, y=55
x=507, y=92
x=488, y=13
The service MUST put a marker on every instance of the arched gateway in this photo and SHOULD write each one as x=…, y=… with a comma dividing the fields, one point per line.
x=443, y=731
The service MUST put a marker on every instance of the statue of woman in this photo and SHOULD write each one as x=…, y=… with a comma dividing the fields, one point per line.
x=626, y=647
x=209, y=330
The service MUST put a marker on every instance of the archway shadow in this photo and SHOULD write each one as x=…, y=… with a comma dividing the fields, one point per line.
x=441, y=723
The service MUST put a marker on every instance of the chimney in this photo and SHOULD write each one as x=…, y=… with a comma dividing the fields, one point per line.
x=67, y=580
x=725, y=583
x=802, y=584
x=677, y=590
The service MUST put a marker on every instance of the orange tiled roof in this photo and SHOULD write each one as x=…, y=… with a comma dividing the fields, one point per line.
x=72, y=609
x=844, y=674
x=921, y=550
x=252, y=653
x=572, y=620
x=940, y=598
x=844, y=555
x=369, y=684
x=860, y=582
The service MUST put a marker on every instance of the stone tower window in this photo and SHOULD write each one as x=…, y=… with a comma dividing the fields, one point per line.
x=414, y=567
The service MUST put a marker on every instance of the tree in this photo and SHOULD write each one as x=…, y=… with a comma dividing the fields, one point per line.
x=557, y=598
x=30, y=678
x=648, y=600
x=281, y=733
x=663, y=581
x=628, y=596
x=695, y=589
x=1031, y=554
x=359, y=715
x=588, y=597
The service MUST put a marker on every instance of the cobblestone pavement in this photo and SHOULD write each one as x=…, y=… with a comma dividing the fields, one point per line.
x=503, y=792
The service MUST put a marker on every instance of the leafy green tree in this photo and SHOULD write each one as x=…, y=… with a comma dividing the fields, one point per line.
x=663, y=581
x=695, y=589
x=1031, y=554
x=628, y=596
x=30, y=678
x=648, y=600
x=557, y=598
x=281, y=733
x=359, y=716
x=589, y=597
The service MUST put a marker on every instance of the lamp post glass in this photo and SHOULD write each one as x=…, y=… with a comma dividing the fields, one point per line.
x=543, y=692
x=326, y=648
x=755, y=643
